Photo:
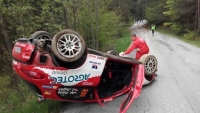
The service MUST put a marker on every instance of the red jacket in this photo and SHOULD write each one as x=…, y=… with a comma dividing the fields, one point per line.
x=140, y=44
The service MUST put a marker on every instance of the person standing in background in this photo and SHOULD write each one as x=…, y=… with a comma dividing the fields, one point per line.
x=153, y=28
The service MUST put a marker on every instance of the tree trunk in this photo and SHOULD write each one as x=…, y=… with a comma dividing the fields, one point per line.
x=74, y=14
x=198, y=17
x=9, y=48
x=66, y=17
x=97, y=24
x=91, y=26
x=5, y=33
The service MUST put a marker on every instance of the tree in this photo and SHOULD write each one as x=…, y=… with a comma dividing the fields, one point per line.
x=154, y=12
x=179, y=13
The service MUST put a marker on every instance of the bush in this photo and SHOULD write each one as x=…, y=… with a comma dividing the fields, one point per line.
x=190, y=35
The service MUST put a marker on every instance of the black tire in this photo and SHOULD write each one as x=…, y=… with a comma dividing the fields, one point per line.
x=113, y=52
x=41, y=35
x=68, y=45
x=150, y=63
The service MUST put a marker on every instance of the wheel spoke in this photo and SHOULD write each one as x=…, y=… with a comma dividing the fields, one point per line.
x=76, y=41
x=73, y=39
x=151, y=69
x=76, y=49
x=62, y=49
x=73, y=52
x=70, y=53
x=148, y=69
x=62, y=41
x=77, y=46
x=65, y=52
x=66, y=38
x=61, y=44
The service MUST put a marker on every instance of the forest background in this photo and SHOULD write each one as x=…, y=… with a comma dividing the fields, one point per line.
x=102, y=23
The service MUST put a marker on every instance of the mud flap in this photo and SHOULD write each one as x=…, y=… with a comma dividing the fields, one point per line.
x=135, y=88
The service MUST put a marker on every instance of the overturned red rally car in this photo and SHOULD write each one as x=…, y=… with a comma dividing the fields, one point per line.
x=63, y=68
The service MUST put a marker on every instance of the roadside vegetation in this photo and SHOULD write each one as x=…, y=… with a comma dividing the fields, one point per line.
x=184, y=37
x=102, y=23
x=194, y=40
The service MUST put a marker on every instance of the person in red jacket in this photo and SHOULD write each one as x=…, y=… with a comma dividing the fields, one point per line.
x=139, y=44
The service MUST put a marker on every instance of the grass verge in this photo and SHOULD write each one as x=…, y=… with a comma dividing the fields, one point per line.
x=22, y=100
x=169, y=32
x=123, y=42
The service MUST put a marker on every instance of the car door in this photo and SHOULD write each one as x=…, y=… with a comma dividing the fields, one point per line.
x=135, y=88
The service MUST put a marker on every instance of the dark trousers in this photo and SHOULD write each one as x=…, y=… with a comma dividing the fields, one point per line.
x=152, y=32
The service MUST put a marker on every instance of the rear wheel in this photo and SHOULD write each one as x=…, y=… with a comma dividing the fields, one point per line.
x=150, y=63
x=68, y=45
x=41, y=35
x=41, y=38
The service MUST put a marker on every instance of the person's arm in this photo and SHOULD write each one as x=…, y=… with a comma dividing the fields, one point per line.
x=131, y=48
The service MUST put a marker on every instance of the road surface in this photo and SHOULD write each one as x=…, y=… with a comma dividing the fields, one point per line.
x=175, y=90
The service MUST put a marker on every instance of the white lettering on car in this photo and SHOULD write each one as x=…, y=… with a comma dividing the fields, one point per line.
x=65, y=91
x=59, y=72
x=20, y=44
x=71, y=78
x=25, y=56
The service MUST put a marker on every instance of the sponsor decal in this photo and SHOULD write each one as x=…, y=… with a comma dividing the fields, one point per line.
x=101, y=58
x=47, y=92
x=20, y=44
x=25, y=56
x=95, y=62
x=84, y=92
x=94, y=66
x=59, y=72
x=93, y=56
x=66, y=91
x=87, y=83
x=14, y=62
x=66, y=79
x=71, y=77
x=49, y=87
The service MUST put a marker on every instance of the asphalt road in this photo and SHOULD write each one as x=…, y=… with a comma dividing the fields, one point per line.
x=175, y=90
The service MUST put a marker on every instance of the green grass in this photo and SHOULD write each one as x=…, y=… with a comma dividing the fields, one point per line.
x=32, y=106
x=22, y=100
x=123, y=42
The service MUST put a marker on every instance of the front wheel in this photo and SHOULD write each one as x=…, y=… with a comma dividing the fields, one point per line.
x=68, y=45
x=150, y=63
